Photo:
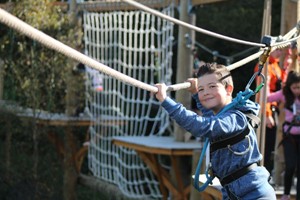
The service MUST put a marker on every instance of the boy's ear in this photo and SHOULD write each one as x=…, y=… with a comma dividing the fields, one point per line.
x=229, y=89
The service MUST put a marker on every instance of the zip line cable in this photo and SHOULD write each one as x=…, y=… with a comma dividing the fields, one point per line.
x=192, y=27
x=198, y=44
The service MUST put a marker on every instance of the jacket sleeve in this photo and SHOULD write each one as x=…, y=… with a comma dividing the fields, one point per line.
x=221, y=126
x=275, y=96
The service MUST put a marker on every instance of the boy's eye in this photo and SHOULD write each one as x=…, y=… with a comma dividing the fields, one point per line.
x=200, y=89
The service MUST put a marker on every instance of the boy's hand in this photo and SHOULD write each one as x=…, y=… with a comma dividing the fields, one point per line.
x=194, y=85
x=161, y=94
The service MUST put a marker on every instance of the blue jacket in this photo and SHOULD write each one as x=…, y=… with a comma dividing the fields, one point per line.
x=221, y=126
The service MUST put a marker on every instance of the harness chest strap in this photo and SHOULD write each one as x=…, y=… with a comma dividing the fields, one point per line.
x=254, y=122
x=228, y=141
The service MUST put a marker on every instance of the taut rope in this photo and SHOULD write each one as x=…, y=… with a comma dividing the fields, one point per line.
x=26, y=29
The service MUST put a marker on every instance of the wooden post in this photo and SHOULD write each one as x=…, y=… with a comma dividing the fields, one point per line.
x=1, y=79
x=262, y=98
x=70, y=173
x=184, y=64
x=195, y=194
x=186, y=39
x=7, y=148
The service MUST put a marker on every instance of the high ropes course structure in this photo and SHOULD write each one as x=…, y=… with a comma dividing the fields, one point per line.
x=126, y=53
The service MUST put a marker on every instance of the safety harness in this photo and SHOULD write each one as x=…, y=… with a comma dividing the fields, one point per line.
x=286, y=134
x=253, y=121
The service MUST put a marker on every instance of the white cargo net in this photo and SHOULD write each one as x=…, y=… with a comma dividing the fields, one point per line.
x=139, y=45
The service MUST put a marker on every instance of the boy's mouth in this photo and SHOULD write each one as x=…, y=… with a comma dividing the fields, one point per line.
x=208, y=99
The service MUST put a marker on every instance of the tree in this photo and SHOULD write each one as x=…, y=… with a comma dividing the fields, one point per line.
x=34, y=75
x=42, y=79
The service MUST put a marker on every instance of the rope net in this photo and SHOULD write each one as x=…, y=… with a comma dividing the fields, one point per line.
x=139, y=45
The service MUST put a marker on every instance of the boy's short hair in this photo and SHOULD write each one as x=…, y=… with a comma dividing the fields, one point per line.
x=220, y=70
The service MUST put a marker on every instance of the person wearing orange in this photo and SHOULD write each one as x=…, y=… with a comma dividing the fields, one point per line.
x=274, y=81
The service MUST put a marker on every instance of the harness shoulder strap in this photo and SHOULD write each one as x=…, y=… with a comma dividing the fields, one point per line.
x=286, y=133
x=253, y=120
x=214, y=146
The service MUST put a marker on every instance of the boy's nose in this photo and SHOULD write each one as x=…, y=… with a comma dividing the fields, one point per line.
x=205, y=92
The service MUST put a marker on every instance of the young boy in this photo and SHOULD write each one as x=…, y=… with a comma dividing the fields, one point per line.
x=236, y=162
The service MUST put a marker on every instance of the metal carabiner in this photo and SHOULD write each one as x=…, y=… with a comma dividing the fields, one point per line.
x=257, y=89
x=262, y=60
x=251, y=80
x=258, y=73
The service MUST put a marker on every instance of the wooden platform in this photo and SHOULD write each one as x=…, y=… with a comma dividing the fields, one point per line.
x=149, y=147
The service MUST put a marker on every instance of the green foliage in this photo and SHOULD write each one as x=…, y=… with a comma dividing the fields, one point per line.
x=36, y=76
x=17, y=180
x=237, y=19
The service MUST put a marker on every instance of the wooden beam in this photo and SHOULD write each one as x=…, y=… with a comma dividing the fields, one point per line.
x=113, y=5
x=201, y=2
x=98, y=6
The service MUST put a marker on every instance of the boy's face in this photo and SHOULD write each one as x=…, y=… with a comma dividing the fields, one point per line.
x=213, y=94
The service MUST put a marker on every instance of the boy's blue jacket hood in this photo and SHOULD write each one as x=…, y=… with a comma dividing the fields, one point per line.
x=249, y=106
x=241, y=102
